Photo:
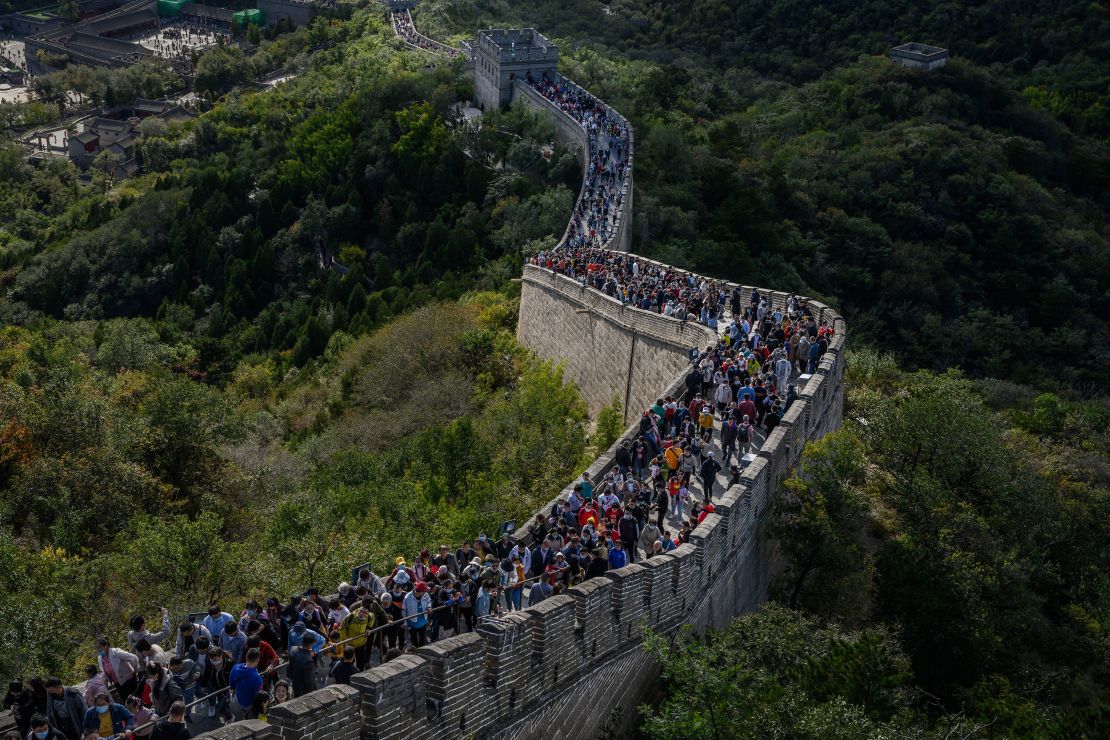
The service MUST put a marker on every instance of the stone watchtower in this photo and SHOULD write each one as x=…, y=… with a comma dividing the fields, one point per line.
x=920, y=56
x=501, y=56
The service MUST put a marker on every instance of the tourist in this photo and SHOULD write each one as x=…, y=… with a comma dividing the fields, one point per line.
x=142, y=719
x=164, y=691
x=139, y=631
x=415, y=607
x=245, y=682
x=121, y=667
x=214, y=682
x=172, y=726
x=105, y=717
x=40, y=729
x=65, y=708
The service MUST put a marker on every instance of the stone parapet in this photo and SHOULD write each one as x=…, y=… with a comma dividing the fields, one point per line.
x=574, y=665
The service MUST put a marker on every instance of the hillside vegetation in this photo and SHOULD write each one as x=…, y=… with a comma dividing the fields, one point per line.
x=956, y=218
x=288, y=345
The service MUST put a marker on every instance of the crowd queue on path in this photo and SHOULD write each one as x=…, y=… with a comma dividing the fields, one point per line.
x=226, y=666
x=165, y=679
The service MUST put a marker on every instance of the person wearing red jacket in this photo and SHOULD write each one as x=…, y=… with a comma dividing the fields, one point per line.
x=588, y=512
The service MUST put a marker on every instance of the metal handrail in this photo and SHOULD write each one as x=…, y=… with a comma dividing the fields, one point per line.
x=403, y=622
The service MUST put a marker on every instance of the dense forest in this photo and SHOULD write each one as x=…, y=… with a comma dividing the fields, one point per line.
x=946, y=573
x=288, y=343
x=956, y=218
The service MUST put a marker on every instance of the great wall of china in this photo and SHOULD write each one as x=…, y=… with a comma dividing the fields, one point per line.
x=574, y=666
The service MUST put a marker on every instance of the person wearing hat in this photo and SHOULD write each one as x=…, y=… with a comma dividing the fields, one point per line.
x=401, y=576
x=709, y=469
x=414, y=609
x=300, y=631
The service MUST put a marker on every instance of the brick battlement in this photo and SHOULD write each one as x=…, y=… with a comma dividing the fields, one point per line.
x=575, y=664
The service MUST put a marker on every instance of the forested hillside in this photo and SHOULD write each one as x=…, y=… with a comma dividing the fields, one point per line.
x=957, y=218
x=946, y=576
x=204, y=365
x=232, y=236
x=288, y=344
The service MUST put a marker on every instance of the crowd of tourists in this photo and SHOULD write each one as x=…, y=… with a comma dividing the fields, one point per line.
x=233, y=666
x=597, y=213
x=406, y=31
x=660, y=487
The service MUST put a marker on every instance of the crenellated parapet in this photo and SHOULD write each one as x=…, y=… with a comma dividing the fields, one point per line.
x=575, y=663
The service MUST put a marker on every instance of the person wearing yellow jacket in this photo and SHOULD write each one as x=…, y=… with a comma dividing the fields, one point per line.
x=352, y=631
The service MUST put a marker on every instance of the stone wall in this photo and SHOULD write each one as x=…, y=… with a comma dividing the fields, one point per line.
x=570, y=134
x=608, y=349
x=574, y=666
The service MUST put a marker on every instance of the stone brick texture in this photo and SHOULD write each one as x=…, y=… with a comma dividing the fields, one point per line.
x=574, y=665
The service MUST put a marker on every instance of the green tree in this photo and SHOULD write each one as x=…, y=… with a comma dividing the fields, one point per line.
x=817, y=521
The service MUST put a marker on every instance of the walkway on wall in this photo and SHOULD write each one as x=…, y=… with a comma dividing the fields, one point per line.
x=566, y=664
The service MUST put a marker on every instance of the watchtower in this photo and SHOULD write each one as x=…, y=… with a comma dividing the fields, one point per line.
x=501, y=56
x=920, y=56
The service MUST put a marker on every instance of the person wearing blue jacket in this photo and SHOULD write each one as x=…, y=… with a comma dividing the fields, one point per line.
x=215, y=622
x=297, y=635
x=414, y=608
x=618, y=558
x=246, y=682
x=233, y=641
x=106, y=717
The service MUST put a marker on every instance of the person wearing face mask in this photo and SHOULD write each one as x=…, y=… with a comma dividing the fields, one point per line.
x=65, y=708
x=40, y=729
x=106, y=718
x=215, y=622
x=121, y=667
x=214, y=679
x=164, y=691
x=233, y=642
x=250, y=613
